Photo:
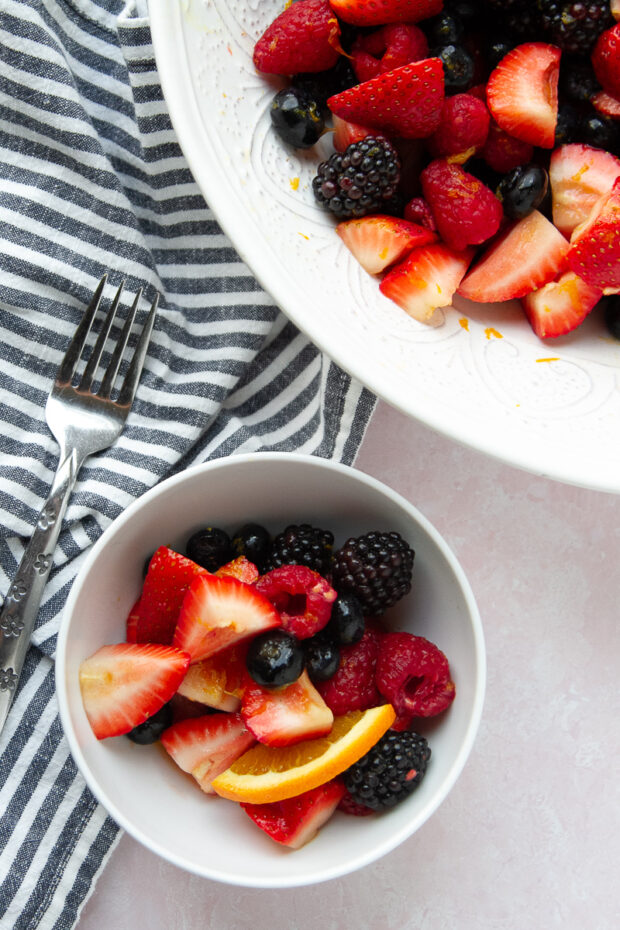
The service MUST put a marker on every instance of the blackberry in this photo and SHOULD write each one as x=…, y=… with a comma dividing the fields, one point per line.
x=359, y=180
x=303, y=545
x=520, y=18
x=376, y=568
x=392, y=769
x=575, y=26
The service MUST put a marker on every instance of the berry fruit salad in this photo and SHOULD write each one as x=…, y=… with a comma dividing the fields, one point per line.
x=476, y=146
x=266, y=669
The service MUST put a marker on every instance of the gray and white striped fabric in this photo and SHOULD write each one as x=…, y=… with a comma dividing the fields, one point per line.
x=92, y=180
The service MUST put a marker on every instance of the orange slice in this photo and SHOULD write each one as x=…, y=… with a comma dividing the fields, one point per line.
x=274, y=773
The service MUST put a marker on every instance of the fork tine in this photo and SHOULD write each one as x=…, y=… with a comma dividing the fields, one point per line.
x=72, y=355
x=86, y=381
x=130, y=383
x=115, y=362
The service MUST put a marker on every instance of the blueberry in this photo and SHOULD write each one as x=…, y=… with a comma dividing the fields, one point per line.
x=497, y=48
x=322, y=657
x=569, y=124
x=254, y=542
x=152, y=729
x=275, y=659
x=611, y=314
x=522, y=190
x=444, y=29
x=458, y=67
x=601, y=132
x=297, y=118
x=346, y=623
x=210, y=548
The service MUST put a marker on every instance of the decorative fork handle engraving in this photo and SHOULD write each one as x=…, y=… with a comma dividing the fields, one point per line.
x=21, y=604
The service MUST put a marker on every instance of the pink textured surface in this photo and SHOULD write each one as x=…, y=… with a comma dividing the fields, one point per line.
x=530, y=835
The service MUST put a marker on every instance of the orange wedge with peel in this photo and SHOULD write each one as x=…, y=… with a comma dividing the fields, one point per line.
x=274, y=773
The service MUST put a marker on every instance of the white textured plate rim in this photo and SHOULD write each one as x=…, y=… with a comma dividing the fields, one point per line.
x=542, y=458
x=424, y=814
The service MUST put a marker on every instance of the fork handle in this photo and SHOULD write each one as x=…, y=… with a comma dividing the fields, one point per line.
x=21, y=604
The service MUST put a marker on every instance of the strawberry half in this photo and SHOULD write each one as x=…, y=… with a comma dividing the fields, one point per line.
x=427, y=279
x=579, y=175
x=522, y=93
x=406, y=101
x=131, y=624
x=219, y=611
x=528, y=255
x=286, y=715
x=560, y=306
x=304, y=37
x=123, y=685
x=606, y=60
x=297, y=820
x=206, y=746
x=363, y=13
x=594, y=252
x=345, y=133
x=217, y=681
x=379, y=241
x=168, y=577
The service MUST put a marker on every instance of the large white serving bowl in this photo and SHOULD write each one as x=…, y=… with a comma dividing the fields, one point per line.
x=140, y=786
x=482, y=378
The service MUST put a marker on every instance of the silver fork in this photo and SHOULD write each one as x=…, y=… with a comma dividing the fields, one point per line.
x=83, y=421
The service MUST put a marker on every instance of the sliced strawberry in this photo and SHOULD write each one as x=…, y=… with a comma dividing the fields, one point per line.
x=240, y=568
x=345, y=133
x=168, y=577
x=427, y=279
x=528, y=255
x=406, y=101
x=287, y=715
x=304, y=37
x=594, y=252
x=579, y=175
x=363, y=13
x=219, y=611
x=522, y=93
x=131, y=624
x=606, y=60
x=206, y=746
x=297, y=820
x=217, y=681
x=560, y=306
x=379, y=241
x=123, y=685
x=302, y=597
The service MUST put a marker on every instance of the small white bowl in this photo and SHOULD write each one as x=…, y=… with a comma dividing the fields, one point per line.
x=142, y=790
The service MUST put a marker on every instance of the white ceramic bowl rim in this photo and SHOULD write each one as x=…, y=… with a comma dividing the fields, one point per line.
x=365, y=856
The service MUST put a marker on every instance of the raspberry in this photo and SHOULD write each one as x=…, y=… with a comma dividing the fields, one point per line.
x=466, y=212
x=418, y=211
x=463, y=127
x=414, y=676
x=353, y=686
x=502, y=152
x=301, y=596
x=387, y=48
x=606, y=60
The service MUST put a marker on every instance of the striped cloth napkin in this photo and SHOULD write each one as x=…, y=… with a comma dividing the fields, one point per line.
x=92, y=180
